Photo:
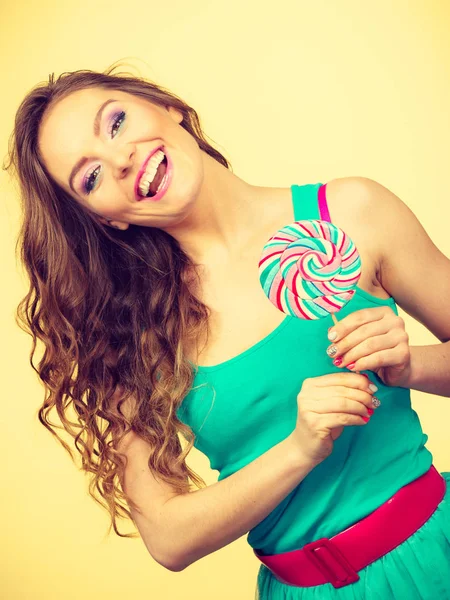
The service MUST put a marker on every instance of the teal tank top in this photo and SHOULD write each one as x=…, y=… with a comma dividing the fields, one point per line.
x=243, y=406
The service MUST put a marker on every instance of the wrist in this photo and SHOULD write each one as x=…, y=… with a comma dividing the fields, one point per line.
x=414, y=372
x=299, y=455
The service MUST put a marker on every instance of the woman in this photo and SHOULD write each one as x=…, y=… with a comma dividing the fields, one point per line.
x=142, y=249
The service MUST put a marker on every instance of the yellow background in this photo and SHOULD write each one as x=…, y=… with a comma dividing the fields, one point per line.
x=294, y=92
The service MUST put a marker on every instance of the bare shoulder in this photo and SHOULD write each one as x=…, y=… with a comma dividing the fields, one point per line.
x=370, y=214
x=411, y=268
x=360, y=198
x=368, y=211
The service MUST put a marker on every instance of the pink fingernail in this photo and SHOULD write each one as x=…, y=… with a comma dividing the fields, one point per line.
x=351, y=365
x=370, y=411
x=337, y=362
x=366, y=419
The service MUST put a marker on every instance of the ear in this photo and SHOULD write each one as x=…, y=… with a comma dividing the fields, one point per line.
x=116, y=224
x=176, y=115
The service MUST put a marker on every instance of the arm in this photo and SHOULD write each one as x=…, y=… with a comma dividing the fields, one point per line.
x=430, y=369
x=412, y=270
x=180, y=529
x=417, y=275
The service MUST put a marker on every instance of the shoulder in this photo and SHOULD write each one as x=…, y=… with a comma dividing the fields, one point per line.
x=370, y=207
x=410, y=266
x=375, y=218
x=364, y=196
x=381, y=221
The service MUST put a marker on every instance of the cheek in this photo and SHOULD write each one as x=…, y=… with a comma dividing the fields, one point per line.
x=109, y=202
x=148, y=124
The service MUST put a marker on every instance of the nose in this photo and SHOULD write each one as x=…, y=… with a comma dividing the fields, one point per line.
x=122, y=160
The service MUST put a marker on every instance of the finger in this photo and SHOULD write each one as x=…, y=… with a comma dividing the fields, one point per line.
x=395, y=357
x=357, y=319
x=363, y=396
x=340, y=405
x=357, y=336
x=374, y=344
x=334, y=420
x=354, y=380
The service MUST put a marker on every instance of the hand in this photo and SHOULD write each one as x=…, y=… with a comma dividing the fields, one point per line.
x=326, y=405
x=373, y=339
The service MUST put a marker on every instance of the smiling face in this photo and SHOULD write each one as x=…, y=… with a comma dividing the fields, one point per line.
x=95, y=143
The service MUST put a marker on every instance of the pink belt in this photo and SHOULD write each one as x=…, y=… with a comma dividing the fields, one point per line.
x=338, y=559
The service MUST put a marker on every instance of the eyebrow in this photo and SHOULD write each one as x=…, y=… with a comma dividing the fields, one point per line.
x=79, y=164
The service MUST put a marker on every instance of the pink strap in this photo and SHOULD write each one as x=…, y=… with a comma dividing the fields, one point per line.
x=323, y=206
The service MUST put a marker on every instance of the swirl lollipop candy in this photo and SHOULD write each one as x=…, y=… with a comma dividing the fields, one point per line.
x=310, y=269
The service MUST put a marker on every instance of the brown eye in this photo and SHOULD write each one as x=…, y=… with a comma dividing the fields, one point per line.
x=117, y=122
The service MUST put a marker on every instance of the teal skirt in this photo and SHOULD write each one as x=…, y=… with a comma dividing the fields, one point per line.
x=418, y=569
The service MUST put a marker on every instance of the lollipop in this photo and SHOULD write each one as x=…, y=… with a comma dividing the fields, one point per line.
x=310, y=269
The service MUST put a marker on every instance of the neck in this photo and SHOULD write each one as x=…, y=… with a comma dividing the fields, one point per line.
x=223, y=216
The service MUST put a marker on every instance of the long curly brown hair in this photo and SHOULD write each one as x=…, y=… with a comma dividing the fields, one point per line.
x=113, y=309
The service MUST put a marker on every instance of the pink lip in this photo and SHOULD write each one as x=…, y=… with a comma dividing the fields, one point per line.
x=142, y=169
x=168, y=176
